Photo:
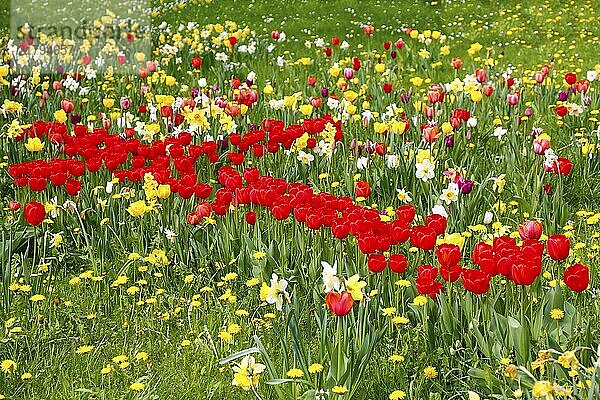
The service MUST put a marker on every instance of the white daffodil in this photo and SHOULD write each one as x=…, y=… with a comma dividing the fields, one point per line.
x=330, y=279
x=277, y=292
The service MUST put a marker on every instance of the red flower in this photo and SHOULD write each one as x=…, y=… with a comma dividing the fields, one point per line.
x=561, y=111
x=577, y=277
x=339, y=303
x=524, y=272
x=448, y=254
x=376, y=263
x=251, y=217
x=475, y=281
x=530, y=230
x=387, y=87
x=73, y=187
x=232, y=40
x=34, y=213
x=558, y=247
x=397, y=263
x=423, y=237
x=428, y=286
x=406, y=213
x=14, y=205
x=450, y=273
x=437, y=223
x=571, y=78
x=362, y=189
x=196, y=62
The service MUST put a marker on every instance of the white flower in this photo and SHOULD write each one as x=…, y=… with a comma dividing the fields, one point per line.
x=319, y=42
x=392, y=161
x=251, y=76
x=592, y=75
x=439, y=210
x=280, y=61
x=499, y=132
x=488, y=217
x=362, y=163
x=330, y=279
x=332, y=103
x=323, y=148
x=403, y=195
x=277, y=292
x=450, y=194
x=305, y=158
x=170, y=234
x=345, y=45
x=550, y=158
x=472, y=122
x=425, y=170
x=202, y=82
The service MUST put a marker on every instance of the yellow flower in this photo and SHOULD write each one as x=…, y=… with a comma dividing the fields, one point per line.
x=541, y=389
x=107, y=370
x=315, y=368
x=34, y=144
x=379, y=68
x=60, y=116
x=295, y=373
x=138, y=208
x=400, y=320
x=137, y=386
x=84, y=349
x=396, y=358
x=420, y=301
x=557, y=313
x=306, y=109
x=163, y=191
x=37, y=297
x=430, y=372
x=339, y=389
x=354, y=286
x=141, y=356
x=8, y=366
x=258, y=255
x=397, y=395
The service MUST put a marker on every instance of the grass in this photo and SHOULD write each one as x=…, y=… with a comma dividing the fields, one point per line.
x=182, y=340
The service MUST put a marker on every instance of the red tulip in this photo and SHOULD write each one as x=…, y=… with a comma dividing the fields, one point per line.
x=571, y=78
x=457, y=63
x=251, y=217
x=397, y=263
x=362, y=189
x=558, y=247
x=475, y=281
x=423, y=237
x=524, y=272
x=34, y=213
x=561, y=111
x=437, y=223
x=339, y=303
x=428, y=286
x=14, y=206
x=73, y=186
x=406, y=213
x=196, y=62
x=368, y=30
x=448, y=254
x=530, y=230
x=481, y=75
x=376, y=263
x=577, y=277
x=450, y=273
